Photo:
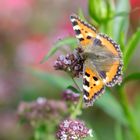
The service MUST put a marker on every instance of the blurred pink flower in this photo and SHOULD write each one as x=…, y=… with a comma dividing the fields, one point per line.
x=35, y=47
x=8, y=6
x=32, y=50
x=14, y=14
x=63, y=29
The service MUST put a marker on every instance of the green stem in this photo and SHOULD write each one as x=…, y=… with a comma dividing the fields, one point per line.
x=129, y=115
x=77, y=110
x=76, y=85
x=118, y=131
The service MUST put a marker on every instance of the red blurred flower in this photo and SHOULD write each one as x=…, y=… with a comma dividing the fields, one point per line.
x=135, y=3
x=135, y=13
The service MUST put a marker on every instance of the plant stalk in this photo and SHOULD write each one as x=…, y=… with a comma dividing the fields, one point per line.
x=77, y=110
x=127, y=111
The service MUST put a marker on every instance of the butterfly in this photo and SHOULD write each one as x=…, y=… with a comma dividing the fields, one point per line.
x=103, y=64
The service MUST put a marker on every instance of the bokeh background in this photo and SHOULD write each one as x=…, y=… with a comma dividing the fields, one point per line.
x=28, y=30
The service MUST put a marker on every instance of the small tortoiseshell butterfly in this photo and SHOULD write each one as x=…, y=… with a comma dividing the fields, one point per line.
x=103, y=64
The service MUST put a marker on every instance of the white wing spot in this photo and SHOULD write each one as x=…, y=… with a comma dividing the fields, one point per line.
x=87, y=78
x=72, y=19
x=80, y=36
x=85, y=97
x=86, y=88
x=76, y=27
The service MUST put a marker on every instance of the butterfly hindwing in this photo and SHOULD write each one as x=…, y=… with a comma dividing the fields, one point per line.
x=93, y=85
x=113, y=65
x=84, y=31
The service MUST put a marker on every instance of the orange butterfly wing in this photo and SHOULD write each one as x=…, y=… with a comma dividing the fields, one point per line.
x=93, y=86
x=84, y=31
x=108, y=72
x=114, y=74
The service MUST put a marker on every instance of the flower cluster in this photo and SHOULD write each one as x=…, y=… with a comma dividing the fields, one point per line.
x=72, y=62
x=42, y=109
x=69, y=95
x=73, y=130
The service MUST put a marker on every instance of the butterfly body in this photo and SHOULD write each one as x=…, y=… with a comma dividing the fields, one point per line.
x=103, y=60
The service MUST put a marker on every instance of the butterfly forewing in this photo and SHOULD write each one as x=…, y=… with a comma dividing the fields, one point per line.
x=84, y=31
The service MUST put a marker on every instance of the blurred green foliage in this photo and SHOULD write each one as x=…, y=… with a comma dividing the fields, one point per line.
x=58, y=45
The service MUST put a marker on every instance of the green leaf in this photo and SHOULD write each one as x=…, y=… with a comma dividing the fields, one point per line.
x=112, y=107
x=121, y=41
x=136, y=108
x=121, y=22
x=118, y=132
x=108, y=24
x=131, y=77
x=131, y=46
x=100, y=10
x=121, y=14
x=90, y=138
x=67, y=41
x=54, y=80
x=73, y=89
x=93, y=8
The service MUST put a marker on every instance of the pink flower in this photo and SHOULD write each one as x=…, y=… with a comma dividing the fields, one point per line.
x=13, y=6
x=32, y=51
x=73, y=130
x=72, y=63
